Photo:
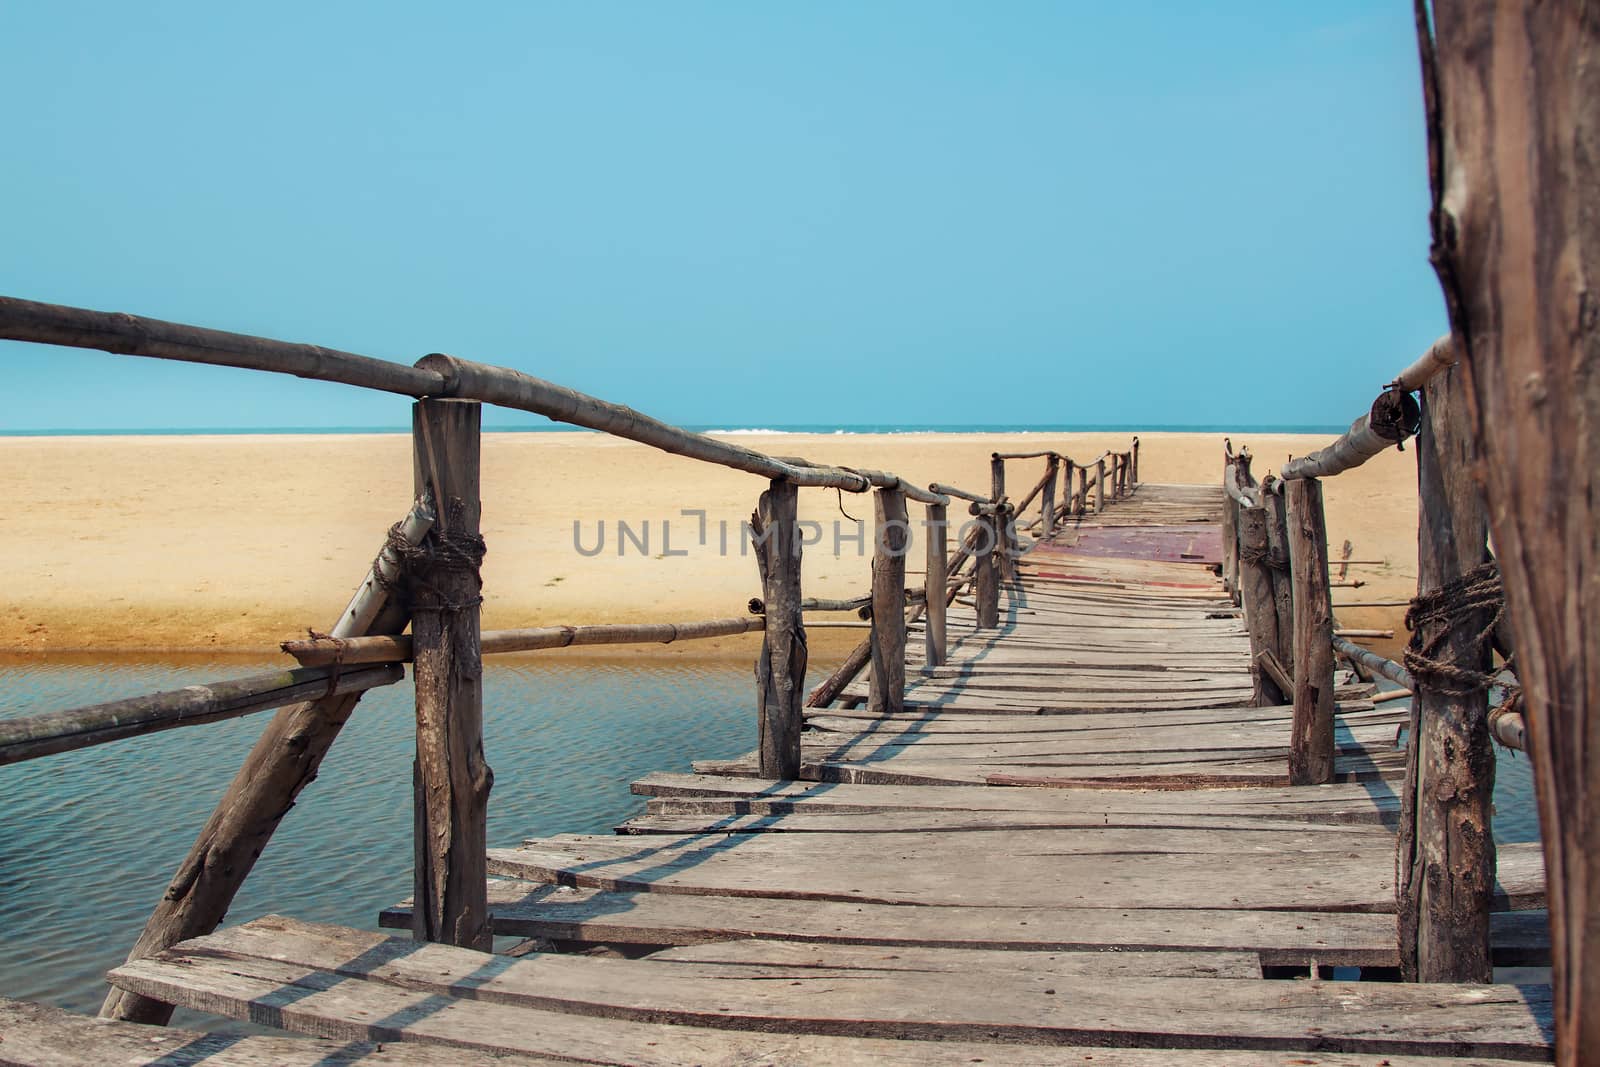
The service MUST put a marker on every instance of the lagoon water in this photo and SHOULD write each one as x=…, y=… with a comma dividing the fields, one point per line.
x=89, y=839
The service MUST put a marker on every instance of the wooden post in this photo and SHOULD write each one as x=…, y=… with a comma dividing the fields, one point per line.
x=452, y=780
x=1100, y=486
x=986, y=573
x=1230, y=538
x=1133, y=472
x=1260, y=611
x=1446, y=866
x=1083, y=490
x=935, y=581
x=997, y=478
x=1052, y=471
x=283, y=761
x=781, y=668
x=1311, y=736
x=1516, y=244
x=1282, y=585
x=887, y=691
x=1067, y=507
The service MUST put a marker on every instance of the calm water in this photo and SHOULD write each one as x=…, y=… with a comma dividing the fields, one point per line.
x=90, y=839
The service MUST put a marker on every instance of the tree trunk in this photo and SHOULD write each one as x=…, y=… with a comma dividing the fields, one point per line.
x=1514, y=112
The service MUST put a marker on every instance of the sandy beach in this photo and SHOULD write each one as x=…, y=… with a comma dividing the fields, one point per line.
x=234, y=543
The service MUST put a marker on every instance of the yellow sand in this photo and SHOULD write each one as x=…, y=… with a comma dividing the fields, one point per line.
x=237, y=542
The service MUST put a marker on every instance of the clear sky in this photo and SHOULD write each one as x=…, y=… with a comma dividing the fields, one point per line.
x=738, y=214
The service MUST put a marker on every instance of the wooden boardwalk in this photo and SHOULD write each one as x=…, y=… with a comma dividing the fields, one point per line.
x=1077, y=843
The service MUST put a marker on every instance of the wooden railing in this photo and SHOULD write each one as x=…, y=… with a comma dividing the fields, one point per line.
x=1276, y=564
x=425, y=576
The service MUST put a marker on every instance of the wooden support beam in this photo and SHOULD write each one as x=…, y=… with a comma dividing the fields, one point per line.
x=1311, y=735
x=997, y=478
x=282, y=762
x=1083, y=491
x=1446, y=867
x=1133, y=469
x=1392, y=419
x=937, y=537
x=1100, y=485
x=1230, y=529
x=892, y=532
x=1278, y=548
x=1275, y=670
x=1369, y=659
x=1047, y=508
x=781, y=667
x=452, y=779
x=1260, y=610
x=986, y=571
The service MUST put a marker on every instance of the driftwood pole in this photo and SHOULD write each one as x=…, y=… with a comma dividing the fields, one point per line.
x=1260, y=610
x=1446, y=867
x=986, y=570
x=452, y=780
x=781, y=668
x=1100, y=485
x=1311, y=736
x=1052, y=471
x=1282, y=583
x=283, y=761
x=935, y=581
x=1230, y=531
x=997, y=478
x=1510, y=96
x=1133, y=470
x=887, y=687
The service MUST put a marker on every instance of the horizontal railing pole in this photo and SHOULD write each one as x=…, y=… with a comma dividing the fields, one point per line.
x=509, y=388
x=1027, y=455
x=131, y=335
x=62, y=731
x=1440, y=356
x=1372, y=661
x=960, y=494
x=397, y=648
x=435, y=376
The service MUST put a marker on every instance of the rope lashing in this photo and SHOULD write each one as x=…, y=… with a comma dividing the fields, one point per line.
x=441, y=549
x=1264, y=557
x=1443, y=610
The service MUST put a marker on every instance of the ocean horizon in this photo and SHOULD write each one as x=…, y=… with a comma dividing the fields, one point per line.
x=715, y=429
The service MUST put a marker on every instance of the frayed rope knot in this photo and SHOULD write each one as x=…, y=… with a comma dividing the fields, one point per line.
x=439, y=550
x=1442, y=611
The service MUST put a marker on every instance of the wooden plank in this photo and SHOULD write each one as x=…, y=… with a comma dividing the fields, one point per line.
x=1148, y=1012
x=39, y=1035
x=774, y=958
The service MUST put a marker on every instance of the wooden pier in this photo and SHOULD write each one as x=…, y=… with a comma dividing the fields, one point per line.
x=1075, y=841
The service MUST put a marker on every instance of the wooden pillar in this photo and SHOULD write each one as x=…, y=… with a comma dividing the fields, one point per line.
x=986, y=572
x=1067, y=507
x=281, y=763
x=1260, y=611
x=1230, y=538
x=451, y=778
x=1052, y=472
x=1133, y=471
x=937, y=580
x=1100, y=485
x=887, y=692
x=781, y=668
x=1282, y=585
x=1510, y=91
x=1083, y=490
x=1446, y=868
x=997, y=478
x=1311, y=736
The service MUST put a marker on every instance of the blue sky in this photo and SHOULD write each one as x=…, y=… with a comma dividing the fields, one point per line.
x=728, y=213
